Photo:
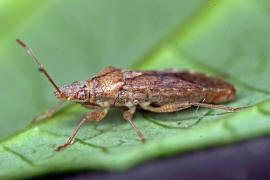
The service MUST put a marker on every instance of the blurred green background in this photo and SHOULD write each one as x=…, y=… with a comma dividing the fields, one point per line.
x=76, y=39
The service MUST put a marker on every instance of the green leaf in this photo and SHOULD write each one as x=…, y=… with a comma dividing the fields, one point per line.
x=75, y=40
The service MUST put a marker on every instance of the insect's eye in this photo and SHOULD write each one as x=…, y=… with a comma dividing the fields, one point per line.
x=81, y=94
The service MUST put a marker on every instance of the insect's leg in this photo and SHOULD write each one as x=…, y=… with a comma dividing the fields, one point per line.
x=92, y=116
x=49, y=113
x=214, y=106
x=128, y=116
x=171, y=107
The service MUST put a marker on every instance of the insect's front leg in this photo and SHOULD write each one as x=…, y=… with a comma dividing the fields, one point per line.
x=92, y=116
x=49, y=113
x=128, y=116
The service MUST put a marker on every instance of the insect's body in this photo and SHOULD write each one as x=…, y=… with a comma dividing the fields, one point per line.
x=127, y=88
x=156, y=91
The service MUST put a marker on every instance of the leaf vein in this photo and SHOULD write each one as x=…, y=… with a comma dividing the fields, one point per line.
x=20, y=156
x=104, y=149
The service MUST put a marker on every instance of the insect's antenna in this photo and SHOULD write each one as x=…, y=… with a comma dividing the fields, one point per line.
x=41, y=68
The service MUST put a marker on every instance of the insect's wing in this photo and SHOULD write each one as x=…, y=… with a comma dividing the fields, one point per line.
x=161, y=88
x=156, y=80
x=203, y=80
x=170, y=86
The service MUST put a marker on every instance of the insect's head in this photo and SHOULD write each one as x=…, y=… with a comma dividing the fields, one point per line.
x=76, y=92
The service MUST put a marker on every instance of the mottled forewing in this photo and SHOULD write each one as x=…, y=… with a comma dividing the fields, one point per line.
x=161, y=87
x=156, y=80
x=169, y=86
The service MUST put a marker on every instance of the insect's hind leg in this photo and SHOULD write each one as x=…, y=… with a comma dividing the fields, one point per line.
x=173, y=107
x=49, y=113
x=214, y=106
x=170, y=107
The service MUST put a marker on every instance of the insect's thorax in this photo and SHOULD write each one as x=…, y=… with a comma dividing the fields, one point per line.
x=105, y=86
x=108, y=88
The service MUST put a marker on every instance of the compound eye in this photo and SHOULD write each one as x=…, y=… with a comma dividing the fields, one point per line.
x=81, y=94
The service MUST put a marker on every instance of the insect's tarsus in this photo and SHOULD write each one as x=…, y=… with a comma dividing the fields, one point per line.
x=41, y=67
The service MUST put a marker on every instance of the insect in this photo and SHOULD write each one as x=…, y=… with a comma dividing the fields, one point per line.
x=155, y=91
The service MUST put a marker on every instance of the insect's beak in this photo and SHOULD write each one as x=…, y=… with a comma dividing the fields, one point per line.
x=59, y=95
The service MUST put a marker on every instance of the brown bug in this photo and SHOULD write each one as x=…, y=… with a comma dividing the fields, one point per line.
x=155, y=91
